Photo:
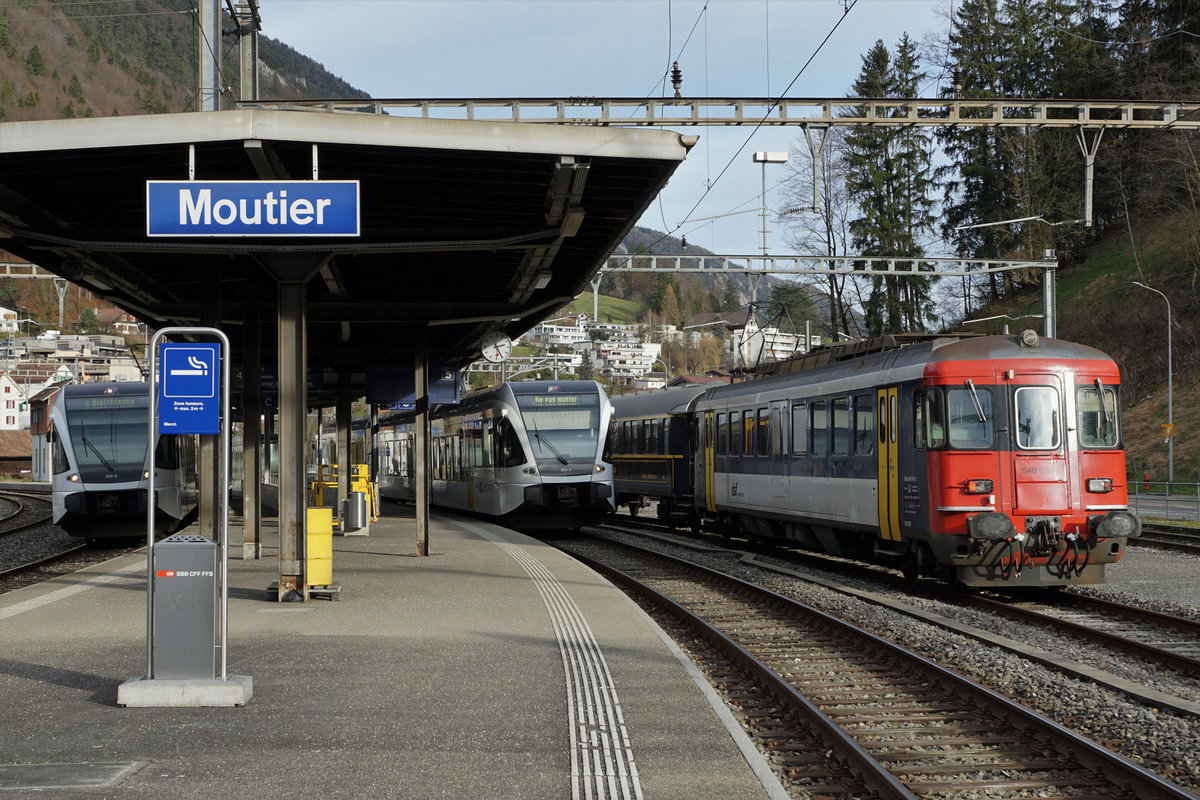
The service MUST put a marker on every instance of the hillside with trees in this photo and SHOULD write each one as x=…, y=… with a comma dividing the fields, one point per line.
x=66, y=58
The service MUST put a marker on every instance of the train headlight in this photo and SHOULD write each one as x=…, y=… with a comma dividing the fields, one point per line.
x=599, y=468
x=74, y=478
x=1099, y=485
x=979, y=486
x=146, y=475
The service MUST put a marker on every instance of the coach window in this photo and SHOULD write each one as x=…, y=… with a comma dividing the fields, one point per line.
x=929, y=419
x=777, y=430
x=736, y=436
x=764, y=432
x=972, y=417
x=864, y=425
x=820, y=428
x=800, y=429
x=1097, y=418
x=1037, y=418
x=722, y=435
x=748, y=430
x=841, y=426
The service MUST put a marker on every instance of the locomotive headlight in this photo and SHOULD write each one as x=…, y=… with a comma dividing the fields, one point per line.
x=979, y=486
x=146, y=475
x=1099, y=485
x=599, y=468
x=74, y=478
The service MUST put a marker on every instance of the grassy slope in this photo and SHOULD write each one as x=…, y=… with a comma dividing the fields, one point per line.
x=1099, y=306
x=621, y=312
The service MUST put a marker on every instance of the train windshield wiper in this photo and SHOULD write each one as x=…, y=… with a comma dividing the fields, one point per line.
x=975, y=400
x=1107, y=420
x=544, y=441
x=88, y=444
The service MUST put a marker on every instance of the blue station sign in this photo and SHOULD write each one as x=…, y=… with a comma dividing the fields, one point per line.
x=189, y=388
x=252, y=208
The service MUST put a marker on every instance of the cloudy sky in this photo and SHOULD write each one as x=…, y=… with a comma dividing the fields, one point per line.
x=619, y=48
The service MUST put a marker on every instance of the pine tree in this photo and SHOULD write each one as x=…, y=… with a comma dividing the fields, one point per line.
x=889, y=179
x=35, y=62
x=972, y=184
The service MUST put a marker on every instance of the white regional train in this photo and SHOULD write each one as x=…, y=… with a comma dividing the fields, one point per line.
x=530, y=453
x=99, y=459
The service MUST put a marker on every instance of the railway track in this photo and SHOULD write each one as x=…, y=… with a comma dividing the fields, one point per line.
x=31, y=511
x=1160, y=641
x=1171, y=641
x=1169, y=540
x=41, y=568
x=900, y=724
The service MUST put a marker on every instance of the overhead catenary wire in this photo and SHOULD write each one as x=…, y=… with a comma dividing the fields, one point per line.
x=766, y=114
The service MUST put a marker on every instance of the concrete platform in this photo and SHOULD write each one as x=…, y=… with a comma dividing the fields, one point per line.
x=495, y=667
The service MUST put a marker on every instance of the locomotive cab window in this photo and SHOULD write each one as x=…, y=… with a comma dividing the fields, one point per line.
x=1096, y=407
x=972, y=417
x=1037, y=418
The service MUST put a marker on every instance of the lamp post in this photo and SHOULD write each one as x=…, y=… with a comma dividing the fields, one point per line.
x=1170, y=398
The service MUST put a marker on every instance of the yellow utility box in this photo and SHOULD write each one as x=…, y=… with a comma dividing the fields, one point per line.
x=319, y=539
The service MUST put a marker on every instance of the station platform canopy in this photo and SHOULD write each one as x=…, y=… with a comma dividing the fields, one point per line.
x=465, y=226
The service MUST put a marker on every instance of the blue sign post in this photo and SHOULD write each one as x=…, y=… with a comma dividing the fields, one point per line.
x=189, y=388
x=190, y=396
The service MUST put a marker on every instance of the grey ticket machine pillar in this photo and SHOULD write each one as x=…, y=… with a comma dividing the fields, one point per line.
x=185, y=609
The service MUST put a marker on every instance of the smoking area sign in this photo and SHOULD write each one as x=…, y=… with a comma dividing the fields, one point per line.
x=189, y=388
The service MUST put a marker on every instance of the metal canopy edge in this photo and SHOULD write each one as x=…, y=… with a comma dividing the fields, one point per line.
x=343, y=129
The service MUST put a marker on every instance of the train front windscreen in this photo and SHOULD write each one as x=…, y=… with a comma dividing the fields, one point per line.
x=563, y=429
x=109, y=436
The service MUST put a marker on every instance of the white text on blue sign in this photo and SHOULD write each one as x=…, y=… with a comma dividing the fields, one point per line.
x=252, y=208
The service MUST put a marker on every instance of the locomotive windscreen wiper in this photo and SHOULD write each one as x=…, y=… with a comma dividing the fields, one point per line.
x=1103, y=407
x=88, y=444
x=544, y=441
x=975, y=400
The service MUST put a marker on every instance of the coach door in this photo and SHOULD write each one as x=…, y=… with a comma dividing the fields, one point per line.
x=888, y=465
x=706, y=469
x=778, y=448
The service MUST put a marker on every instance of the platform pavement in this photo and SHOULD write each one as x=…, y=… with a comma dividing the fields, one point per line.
x=435, y=677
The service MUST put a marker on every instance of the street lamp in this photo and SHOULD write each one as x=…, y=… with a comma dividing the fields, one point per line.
x=1170, y=399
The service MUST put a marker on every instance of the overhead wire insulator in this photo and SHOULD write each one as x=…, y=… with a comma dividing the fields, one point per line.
x=676, y=77
x=958, y=84
x=683, y=243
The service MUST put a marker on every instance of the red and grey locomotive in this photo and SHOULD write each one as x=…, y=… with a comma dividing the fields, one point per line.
x=983, y=460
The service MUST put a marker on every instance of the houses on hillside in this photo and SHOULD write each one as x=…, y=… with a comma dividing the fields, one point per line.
x=632, y=355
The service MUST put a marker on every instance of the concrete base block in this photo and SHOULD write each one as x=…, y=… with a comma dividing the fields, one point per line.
x=198, y=693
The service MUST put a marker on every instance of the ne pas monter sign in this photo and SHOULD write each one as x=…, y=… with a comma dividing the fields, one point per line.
x=252, y=208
